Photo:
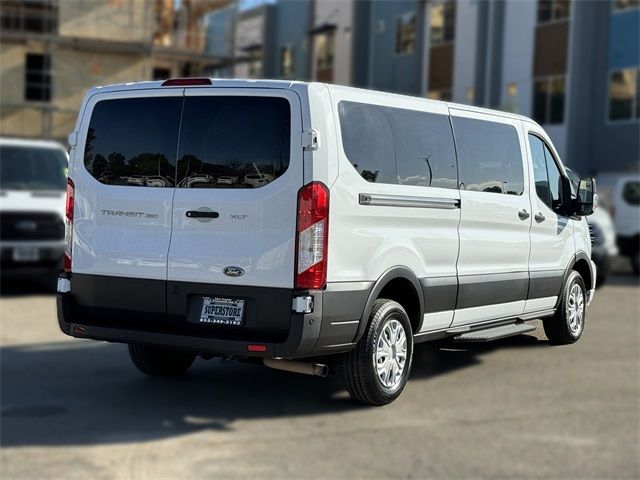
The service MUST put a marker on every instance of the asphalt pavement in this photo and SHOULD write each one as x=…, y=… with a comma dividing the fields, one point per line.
x=516, y=408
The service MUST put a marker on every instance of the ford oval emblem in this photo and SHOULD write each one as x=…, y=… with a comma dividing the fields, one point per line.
x=233, y=271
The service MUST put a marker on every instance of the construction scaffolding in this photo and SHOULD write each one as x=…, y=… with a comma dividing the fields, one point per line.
x=54, y=50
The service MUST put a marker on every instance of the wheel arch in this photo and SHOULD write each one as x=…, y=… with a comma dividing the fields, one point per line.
x=402, y=285
x=581, y=263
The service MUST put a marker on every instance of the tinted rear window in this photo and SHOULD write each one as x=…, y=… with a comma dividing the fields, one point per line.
x=29, y=168
x=489, y=156
x=220, y=142
x=233, y=142
x=133, y=141
x=398, y=146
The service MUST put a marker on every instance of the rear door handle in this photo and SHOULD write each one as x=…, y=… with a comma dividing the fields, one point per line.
x=523, y=214
x=201, y=214
x=539, y=217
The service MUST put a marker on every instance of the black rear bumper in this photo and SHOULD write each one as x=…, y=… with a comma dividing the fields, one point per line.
x=156, y=312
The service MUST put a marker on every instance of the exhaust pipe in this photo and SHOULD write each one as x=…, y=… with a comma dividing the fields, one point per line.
x=317, y=369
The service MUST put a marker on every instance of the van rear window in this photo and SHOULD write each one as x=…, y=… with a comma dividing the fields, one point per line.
x=133, y=141
x=233, y=142
x=189, y=142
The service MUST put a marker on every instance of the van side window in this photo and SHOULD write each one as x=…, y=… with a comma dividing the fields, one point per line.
x=424, y=149
x=398, y=146
x=132, y=142
x=555, y=179
x=540, y=170
x=233, y=142
x=547, y=176
x=368, y=141
x=489, y=156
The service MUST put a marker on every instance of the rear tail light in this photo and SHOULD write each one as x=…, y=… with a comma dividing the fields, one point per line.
x=311, y=236
x=68, y=225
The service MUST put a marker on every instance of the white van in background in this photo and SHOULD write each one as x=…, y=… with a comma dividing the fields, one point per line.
x=604, y=249
x=386, y=221
x=32, y=188
x=620, y=194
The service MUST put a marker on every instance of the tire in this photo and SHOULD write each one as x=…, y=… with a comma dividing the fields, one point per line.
x=635, y=263
x=358, y=366
x=567, y=325
x=160, y=362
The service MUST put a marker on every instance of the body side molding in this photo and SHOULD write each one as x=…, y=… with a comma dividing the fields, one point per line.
x=382, y=200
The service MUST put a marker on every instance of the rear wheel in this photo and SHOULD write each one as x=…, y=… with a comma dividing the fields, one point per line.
x=160, y=362
x=377, y=370
x=567, y=325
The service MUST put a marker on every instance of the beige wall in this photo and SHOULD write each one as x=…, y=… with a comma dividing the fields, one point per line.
x=73, y=72
x=122, y=20
x=15, y=118
x=77, y=71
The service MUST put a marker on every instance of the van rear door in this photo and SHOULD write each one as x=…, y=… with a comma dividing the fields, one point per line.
x=124, y=184
x=228, y=228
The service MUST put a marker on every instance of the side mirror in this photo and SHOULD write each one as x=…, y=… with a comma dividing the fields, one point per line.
x=587, y=200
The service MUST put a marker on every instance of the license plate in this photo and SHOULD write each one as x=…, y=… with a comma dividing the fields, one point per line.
x=222, y=311
x=26, y=254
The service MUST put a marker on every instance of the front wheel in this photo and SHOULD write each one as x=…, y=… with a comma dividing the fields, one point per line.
x=160, y=362
x=567, y=325
x=376, y=371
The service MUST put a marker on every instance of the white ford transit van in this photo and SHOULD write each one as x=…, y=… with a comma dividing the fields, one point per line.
x=33, y=178
x=314, y=228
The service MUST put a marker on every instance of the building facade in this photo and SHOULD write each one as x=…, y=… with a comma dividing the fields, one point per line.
x=53, y=51
x=572, y=65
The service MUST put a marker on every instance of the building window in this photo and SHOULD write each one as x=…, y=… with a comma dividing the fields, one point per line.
x=37, y=16
x=553, y=10
x=443, y=95
x=160, y=73
x=286, y=61
x=443, y=21
x=406, y=33
x=624, y=95
x=548, y=100
x=625, y=4
x=37, y=84
x=323, y=53
x=254, y=62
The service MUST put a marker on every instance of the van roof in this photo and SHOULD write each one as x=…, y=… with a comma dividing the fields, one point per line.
x=33, y=143
x=289, y=84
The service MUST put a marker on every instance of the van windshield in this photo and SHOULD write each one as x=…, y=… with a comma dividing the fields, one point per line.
x=32, y=168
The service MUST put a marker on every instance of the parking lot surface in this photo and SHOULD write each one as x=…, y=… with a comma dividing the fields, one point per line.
x=512, y=408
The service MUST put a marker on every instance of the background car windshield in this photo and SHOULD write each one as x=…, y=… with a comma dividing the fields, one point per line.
x=32, y=168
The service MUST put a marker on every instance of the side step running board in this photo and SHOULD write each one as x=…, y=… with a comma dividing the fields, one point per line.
x=495, y=333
